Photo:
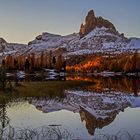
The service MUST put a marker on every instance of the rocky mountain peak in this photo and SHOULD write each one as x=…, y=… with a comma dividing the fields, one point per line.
x=91, y=22
x=2, y=41
x=90, y=18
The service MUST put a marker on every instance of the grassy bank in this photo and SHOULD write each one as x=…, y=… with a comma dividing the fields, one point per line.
x=49, y=89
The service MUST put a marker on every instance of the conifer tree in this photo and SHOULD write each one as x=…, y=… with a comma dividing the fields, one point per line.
x=42, y=60
x=59, y=62
x=54, y=61
x=50, y=59
x=32, y=61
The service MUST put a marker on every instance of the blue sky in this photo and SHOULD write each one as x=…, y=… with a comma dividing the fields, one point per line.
x=22, y=20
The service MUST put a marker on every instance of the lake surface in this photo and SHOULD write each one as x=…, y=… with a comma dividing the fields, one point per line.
x=97, y=109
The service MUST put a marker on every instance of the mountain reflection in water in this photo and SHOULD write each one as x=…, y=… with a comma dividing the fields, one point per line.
x=96, y=109
x=98, y=102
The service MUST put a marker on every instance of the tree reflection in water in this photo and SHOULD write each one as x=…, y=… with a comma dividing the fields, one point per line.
x=116, y=83
x=4, y=120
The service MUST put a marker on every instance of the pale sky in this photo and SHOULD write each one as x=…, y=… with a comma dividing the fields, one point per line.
x=22, y=20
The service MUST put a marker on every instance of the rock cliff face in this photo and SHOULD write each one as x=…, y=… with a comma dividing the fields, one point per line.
x=91, y=22
x=3, y=44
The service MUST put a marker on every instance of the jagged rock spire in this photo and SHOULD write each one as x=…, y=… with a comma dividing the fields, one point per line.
x=91, y=22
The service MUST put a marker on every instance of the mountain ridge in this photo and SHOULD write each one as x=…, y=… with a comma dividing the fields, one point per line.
x=97, y=35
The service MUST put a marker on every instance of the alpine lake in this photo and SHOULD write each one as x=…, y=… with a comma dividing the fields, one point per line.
x=52, y=106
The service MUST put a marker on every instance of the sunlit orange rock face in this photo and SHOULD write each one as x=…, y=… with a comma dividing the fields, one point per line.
x=91, y=22
x=87, y=66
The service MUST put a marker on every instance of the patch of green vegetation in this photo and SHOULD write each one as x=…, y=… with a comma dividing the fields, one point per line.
x=51, y=89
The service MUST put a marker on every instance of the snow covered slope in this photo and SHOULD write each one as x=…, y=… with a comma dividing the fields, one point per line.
x=47, y=42
x=99, y=40
x=11, y=48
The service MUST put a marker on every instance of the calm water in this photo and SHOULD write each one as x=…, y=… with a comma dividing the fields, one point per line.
x=109, y=105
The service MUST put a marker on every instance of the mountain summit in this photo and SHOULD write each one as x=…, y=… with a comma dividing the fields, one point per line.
x=96, y=36
x=91, y=22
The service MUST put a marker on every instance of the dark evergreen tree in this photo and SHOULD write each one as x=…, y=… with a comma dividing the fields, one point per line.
x=54, y=61
x=27, y=65
x=64, y=66
x=32, y=61
x=42, y=60
x=59, y=62
x=15, y=64
x=3, y=62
